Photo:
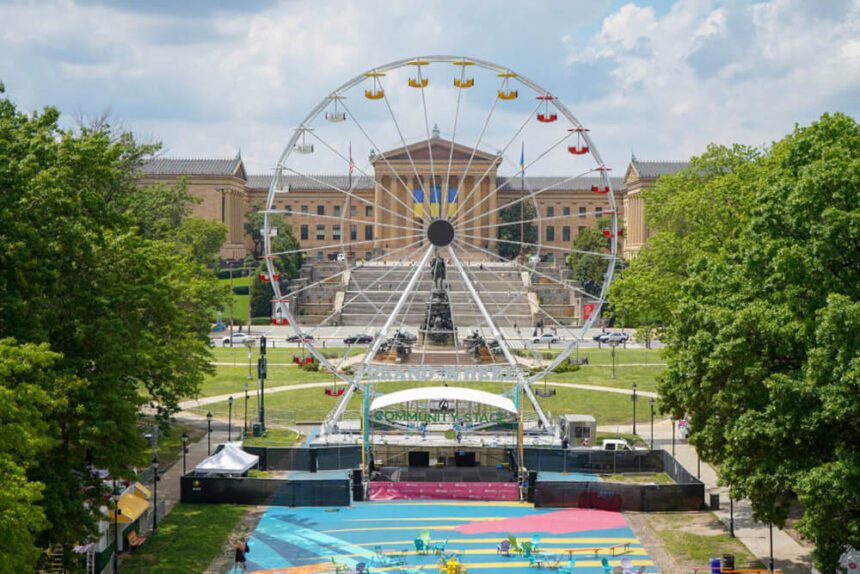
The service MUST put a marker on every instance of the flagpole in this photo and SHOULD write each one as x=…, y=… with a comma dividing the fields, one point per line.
x=522, y=209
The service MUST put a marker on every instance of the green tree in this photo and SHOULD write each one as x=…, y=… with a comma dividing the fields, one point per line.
x=523, y=211
x=587, y=266
x=763, y=324
x=91, y=271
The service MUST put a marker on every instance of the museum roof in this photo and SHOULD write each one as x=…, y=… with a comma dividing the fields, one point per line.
x=653, y=169
x=189, y=166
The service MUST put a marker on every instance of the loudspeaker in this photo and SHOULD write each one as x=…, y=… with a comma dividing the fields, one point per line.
x=464, y=458
x=419, y=458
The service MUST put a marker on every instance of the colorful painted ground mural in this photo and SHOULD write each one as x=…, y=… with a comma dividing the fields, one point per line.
x=418, y=537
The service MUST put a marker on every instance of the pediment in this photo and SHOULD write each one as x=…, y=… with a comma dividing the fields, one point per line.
x=439, y=149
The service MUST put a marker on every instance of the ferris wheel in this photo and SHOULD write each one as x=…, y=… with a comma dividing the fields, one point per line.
x=436, y=201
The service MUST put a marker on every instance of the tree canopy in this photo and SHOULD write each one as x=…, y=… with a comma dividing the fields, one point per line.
x=754, y=270
x=105, y=301
x=512, y=215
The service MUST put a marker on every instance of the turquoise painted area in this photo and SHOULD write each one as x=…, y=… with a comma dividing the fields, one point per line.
x=305, y=537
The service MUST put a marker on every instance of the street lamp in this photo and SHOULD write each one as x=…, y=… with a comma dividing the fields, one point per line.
x=651, y=402
x=184, y=449
x=155, y=479
x=634, y=408
x=209, y=433
x=771, y=546
x=246, y=411
x=230, y=419
x=673, y=436
x=117, y=512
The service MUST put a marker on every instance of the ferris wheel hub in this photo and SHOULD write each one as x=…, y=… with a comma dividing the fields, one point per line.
x=440, y=233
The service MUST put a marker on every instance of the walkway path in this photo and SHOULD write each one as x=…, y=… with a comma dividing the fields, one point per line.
x=789, y=555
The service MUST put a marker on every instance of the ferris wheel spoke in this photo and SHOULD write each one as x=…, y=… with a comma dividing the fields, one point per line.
x=339, y=218
x=361, y=171
x=538, y=219
x=518, y=173
x=541, y=246
x=362, y=292
x=443, y=200
x=490, y=167
x=338, y=245
x=348, y=194
x=429, y=145
x=544, y=275
x=349, y=269
x=382, y=155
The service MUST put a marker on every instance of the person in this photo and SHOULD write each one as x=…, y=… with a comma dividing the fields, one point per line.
x=241, y=548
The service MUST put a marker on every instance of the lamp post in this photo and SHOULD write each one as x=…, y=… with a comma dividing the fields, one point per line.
x=155, y=479
x=673, y=436
x=634, y=408
x=770, y=526
x=117, y=512
x=209, y=433
x=651, y=402
x=184, y=449
x=230, y=419
x=731, y=515
x=245, y=426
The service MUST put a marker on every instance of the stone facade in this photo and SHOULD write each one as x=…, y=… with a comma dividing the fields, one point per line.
x=379, y=216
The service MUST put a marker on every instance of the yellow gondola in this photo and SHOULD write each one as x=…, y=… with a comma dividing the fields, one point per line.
x=464, y=83
x=375, y=93
x=415, y=83
x=506, y=93
x=463, y=63
x=418, y=63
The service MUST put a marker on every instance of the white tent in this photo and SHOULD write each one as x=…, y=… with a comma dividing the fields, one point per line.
x=229, y=460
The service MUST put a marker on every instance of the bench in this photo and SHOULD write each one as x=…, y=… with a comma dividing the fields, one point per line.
x=134, y=540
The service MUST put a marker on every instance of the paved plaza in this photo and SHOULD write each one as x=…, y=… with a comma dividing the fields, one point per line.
x=305, y=540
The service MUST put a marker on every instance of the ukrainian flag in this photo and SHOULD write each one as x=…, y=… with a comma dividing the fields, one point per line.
x=418, y=202
x=452, y=201
x=435, y=200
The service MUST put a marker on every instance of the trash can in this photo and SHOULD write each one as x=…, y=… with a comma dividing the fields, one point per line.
x=715, y=566
x=257, y=429
x=715, y=501
x=728, y=562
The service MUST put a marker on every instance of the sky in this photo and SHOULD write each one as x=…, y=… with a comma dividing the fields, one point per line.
x=659, y=79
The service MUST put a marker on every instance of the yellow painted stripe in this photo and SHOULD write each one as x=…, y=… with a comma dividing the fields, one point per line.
x=509, y=564
x=496, y=540
x=579, y=552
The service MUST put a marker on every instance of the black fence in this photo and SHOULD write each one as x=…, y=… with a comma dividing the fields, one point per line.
x=307, y=459
x=265, y=491
x=687, y=494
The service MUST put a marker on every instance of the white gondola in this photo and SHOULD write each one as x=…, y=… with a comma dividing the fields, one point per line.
x=302, y=146
x=336, y=115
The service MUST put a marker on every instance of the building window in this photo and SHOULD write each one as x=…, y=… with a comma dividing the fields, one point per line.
x=368, y=211
x=335, y=232
x=304, y=210
x=550, y=211
x=320, y=255
x=353, y=211
x=320, y=209
x=337, y=211
x=582, y=212
x=565, y=211
x=368, y=232
x=565, y=233
x=304, y=232
x=320, y=232
x=353, y=232
x=288, y=208
x=550, y=233
x=598, y=212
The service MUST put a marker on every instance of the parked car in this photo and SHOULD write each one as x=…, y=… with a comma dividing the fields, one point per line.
x=546, y=338
x=239, y=338
x=614, y=444
x=300, y=338
x=406, y=336
x=613, y=337
x=362, y=339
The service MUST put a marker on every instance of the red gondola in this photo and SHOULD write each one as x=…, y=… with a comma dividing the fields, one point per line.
x=280, y=321
x=264, y=277
x=608, y=233
x=580, y=148
x=544, y=115
x=598, y=189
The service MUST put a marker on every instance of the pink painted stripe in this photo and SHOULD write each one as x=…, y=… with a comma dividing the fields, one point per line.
x=444, y=491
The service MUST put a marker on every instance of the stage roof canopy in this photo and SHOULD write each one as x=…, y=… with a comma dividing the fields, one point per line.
x=449, y=394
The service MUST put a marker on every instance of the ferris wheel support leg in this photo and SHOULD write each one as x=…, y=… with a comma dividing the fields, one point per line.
x=380, y=338
x=502, y=342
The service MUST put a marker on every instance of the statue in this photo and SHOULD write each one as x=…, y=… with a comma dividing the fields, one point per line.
x=437, y=268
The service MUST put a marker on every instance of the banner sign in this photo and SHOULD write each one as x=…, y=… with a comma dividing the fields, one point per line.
x=430, y=373
x=426, y=416
x=587, y=310
x=444, y=491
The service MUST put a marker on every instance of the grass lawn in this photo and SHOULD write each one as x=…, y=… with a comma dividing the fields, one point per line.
x=658, y=478
x=279, y=354
x=188, y=539
x=275, y=437
x=601, y=376
x=232, y=379
x=240, y=302
x=693, y=538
